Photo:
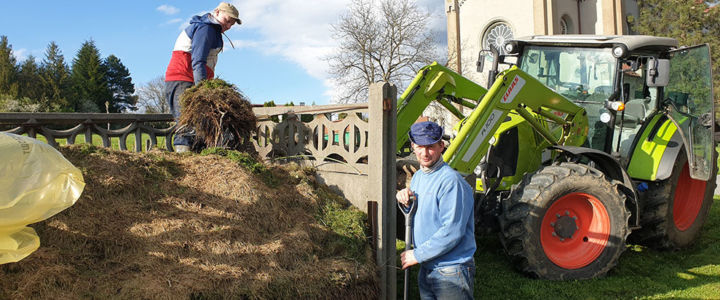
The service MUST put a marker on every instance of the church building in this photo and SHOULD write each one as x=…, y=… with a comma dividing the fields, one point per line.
x=474, y=25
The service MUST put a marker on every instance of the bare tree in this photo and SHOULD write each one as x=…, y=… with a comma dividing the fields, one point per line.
x=389, y=42
x=152, y=96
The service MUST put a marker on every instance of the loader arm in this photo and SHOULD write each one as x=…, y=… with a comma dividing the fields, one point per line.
x=554, y=118
x=434, y=83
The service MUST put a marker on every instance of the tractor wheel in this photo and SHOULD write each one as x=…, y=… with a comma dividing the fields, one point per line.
x=675, y=209
x=564, y=222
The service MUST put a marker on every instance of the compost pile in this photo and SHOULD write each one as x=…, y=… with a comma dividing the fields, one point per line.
x=179, y=226
x=220, y=115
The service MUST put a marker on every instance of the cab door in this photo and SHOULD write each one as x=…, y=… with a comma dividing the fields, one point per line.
x=689, y=99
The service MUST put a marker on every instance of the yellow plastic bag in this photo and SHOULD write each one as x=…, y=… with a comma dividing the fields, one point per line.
x=36, y=182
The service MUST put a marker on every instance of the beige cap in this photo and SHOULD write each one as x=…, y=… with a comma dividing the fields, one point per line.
x=230, y=10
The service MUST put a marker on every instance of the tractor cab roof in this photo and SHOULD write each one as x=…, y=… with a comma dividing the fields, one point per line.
x=633, y=43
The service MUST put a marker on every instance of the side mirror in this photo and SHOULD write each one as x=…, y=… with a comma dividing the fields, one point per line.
x=658, y=72
x=480, y=62
x=482, y=56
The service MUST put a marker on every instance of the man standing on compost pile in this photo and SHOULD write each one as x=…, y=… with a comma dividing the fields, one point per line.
x=193, y=60
x=443, y=227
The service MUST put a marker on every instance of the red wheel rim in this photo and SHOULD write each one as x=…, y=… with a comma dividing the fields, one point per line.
x=689, y=196
x=575, y=230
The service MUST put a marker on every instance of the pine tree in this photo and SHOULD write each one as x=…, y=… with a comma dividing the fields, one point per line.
x=89, y=80
x=8, y=69
x=30, y=83
x=120, y=85
x=55, y=76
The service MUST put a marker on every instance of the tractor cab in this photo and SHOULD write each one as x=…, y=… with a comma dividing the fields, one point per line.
x=627, y=83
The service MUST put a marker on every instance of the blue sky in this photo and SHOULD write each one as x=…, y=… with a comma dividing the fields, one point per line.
x=278, y=48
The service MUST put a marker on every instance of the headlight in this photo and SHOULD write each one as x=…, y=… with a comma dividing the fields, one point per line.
x=605, y=117
x=511, y=47
x=617, y=105
x=619, y=51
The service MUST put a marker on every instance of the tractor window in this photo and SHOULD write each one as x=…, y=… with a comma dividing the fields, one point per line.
x=690, y=96
x=639, y=104
x=576, y=73
x=584, y=75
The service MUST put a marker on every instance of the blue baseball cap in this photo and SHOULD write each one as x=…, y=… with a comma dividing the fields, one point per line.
x=425, y=133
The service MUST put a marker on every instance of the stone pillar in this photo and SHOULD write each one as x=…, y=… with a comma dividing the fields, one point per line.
x=612, y=17
x=540, y=17
x=453, y=40
x=381, y=180
x=550, y=14
x=453, y=35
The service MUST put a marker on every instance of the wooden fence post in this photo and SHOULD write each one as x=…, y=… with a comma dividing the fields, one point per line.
x=381, y=183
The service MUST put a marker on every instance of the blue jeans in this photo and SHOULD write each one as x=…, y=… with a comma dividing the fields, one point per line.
x=173, y=91
x=449, y=282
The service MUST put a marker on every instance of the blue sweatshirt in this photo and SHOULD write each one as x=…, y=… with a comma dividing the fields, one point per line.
x=444, y=226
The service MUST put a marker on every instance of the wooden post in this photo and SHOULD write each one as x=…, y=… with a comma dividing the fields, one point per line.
x=381, y=183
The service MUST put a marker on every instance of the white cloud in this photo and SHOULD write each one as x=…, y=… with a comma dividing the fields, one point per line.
x=293, y=29
x=174, y=21
x=186, y=22
x=20, y=54
x=301, y=32
x=167, y=9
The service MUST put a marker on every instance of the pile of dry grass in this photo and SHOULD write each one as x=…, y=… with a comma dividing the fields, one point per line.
x=172, y=226
x=220, y=115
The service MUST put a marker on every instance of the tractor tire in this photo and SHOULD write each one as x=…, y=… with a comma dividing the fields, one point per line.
x=565, y=222
x=674, y=210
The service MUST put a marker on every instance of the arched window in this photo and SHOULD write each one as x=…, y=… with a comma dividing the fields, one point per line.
x=566, y=25
x=495, y=36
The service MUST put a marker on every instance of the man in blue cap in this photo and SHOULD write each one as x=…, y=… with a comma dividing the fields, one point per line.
x=443, y=227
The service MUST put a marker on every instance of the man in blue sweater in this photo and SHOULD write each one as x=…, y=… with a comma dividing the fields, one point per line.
x=443, y=227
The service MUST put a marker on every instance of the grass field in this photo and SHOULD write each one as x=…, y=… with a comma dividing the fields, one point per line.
x=642, y=273
x=114, y=142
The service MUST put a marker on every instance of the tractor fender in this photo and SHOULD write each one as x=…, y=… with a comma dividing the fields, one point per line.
x=654, y=153
x=612, y=169
x=672, y=150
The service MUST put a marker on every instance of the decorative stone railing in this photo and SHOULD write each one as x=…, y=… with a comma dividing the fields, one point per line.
x=334, y=133
x=89, y=124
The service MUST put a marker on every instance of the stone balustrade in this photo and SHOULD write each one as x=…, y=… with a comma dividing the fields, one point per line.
x=89, y=124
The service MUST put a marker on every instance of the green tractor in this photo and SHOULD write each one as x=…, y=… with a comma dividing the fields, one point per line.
x=581, y=144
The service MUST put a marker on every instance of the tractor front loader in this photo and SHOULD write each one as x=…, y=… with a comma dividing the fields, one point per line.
x=583, y=143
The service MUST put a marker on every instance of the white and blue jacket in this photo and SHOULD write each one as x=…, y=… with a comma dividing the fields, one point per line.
x=196, y=51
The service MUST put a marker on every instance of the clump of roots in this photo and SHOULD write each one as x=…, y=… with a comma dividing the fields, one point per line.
x=220, y=115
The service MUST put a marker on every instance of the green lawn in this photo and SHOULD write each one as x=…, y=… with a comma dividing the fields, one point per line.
x=642, y=273
x=114, y=142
